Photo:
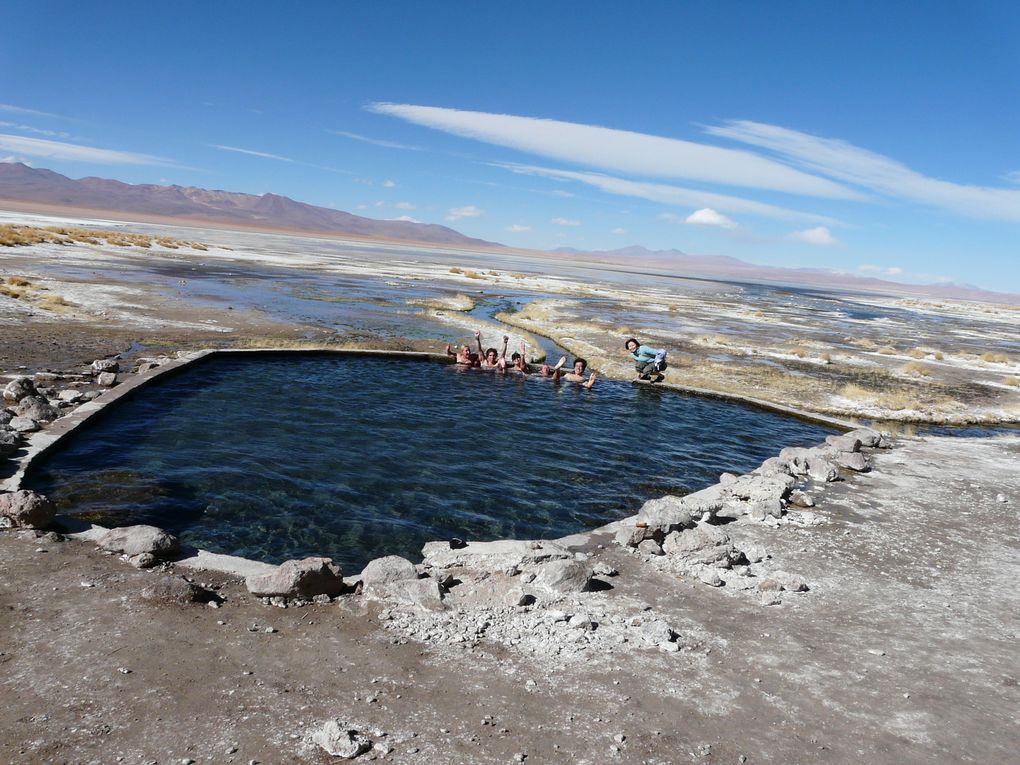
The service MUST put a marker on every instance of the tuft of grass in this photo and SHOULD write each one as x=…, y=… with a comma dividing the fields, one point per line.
x=995, y=358
x=862, y=342
x=473, y=275
x=456, y=270
x=914, y=368
x=799, y=351
x=887, y=350
x=1011, y=380
x=893, y=400
x=671, y=308
x=918, y=353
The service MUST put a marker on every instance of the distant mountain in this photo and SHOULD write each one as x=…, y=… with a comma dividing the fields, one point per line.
x=268, y=211
x=725, y=268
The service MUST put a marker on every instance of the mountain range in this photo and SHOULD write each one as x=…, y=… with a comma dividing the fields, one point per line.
x=42, y=188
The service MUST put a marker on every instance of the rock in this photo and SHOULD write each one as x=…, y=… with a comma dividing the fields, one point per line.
x=424, y=593
x=801, y=499
x=796, y=459
x=5, y=418
x=710, y=577
x=339, y=739
x=778, y=581
x=172, y=590
x=516, y=596
x=656, y=631
x=9, y=442
x=867, y=437
x=582, y=621
x=382, y=571
x=704, y=544
x=822, y=470
x=604, y=569
x=634, y=536
x=704, y=502
x=760, y=488
x=100, y=366
x=650, y=547
x=726, y=479
x=135, y=540
x=759, y=511
x=106, y=379
x=755, y=553
x=19, y=388
x=36, y=408
x=846, y=443
x=144, y=560
x=26, y=509
x=852, y=461
x=1001, y=498
x=23, y=425
x=563, y=576
x=69, y=396
x=772, y=466
x=304, y=578
x=499, y=556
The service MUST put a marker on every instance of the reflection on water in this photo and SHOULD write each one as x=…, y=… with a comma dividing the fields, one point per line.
x=281, y=457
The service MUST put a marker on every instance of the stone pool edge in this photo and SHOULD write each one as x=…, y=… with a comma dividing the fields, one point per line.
x=42, y=442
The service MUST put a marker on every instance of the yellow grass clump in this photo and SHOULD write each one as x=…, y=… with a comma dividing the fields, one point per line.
x=893, y=400
x=918, y=353
x=995, y=358
x=1011, y=380
x=914, y=368
x=862, y=342
x=473, y=275
x=887, y=350
x=456, y=270
x=15, y=235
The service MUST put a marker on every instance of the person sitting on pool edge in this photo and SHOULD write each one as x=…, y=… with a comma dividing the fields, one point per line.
x=491, y=359
x=463, y=356
x=649, y=362
x=577, y=374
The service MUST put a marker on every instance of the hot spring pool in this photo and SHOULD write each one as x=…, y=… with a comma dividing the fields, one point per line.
x=277, y=457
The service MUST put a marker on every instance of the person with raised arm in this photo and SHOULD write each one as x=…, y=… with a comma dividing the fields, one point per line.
x=519, y=363
x=491, y=358
x=577, y=374
x=463, y=356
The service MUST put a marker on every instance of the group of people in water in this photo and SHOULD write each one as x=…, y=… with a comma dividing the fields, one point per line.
x=649, y=362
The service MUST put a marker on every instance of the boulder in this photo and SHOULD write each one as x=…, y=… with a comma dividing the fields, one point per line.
x=781, y=580
x=19, y=388
x=5, y=418
x=853, y=461
x=772, y=466
x=9, y=442
x=304, y=578
x=799, y=498
x=664, y=515
x=172, y=590
x=23, y=425
x=796, y=459
x=704, y=544
x=762, y=488
x=562, y=576
x=822, y=470
x=499, y=556
x=382, y=571
x=656, y=631
x=26, y=509
x=395, y=579
x=100, y=366
x=106, y=379
x=69, y=396
x=36, y=408
x=340, y=739
x=759, y=511
x=868, y=437
x=650, y=547
x=135, y=540
x=845, y=443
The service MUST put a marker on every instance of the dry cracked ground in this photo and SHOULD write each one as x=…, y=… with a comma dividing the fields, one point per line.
x=904, y=650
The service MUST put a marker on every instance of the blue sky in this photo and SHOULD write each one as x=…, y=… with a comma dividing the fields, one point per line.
x=876, y=138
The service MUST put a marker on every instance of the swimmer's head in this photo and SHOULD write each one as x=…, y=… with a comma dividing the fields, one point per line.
x=579, y=366
x=515, y=357
x=631, y=345
x=491, y=354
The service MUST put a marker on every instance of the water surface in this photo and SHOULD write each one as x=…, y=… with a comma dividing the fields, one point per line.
x=277, y=457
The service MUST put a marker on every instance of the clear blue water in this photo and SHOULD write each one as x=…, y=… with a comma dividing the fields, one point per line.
x=277, y=457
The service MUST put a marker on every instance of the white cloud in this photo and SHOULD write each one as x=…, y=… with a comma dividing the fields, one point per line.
x=1013, y=177
x=388, y=184
x=407, y=219
x=469, y=211
x=376, y=141
x=404, y=206
x=35, y=130
x=620, y=150
x=890, y=271
x=819, y=237
x=618, y=231
x=253, y=153
x=518, y=228
x=876, y=172
x=565, y=222
x=31, y=112
x=41, y=147
x=706, y=216
x=672, y=195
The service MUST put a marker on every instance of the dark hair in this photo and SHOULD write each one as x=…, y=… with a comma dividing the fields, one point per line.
x=514, y=356
x=631, y=340
x=584, y=362
x=491, y=350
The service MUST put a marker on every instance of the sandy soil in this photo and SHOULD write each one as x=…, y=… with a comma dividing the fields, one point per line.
x=903, y=651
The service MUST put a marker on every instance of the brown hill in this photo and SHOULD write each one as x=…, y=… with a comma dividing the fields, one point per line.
x=23, y=183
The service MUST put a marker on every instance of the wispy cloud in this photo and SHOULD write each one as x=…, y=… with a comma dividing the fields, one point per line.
x=37, y=131
x=618, y=231
x=673, y=195
x=469, y=211
x=620, y=151
x=376, y=141
x=565, y=222
x=885, y=271
x=41, y=147
x=12, y=109
x=875, y=172
x=1012, y=177
x=388, y=184
x=253, y=153
x=706, y=216
x=277, y=158
x=518, y=228
x=819, y=237
x=404, y=206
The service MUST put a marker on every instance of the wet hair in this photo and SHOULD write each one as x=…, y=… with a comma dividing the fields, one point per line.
x=629, y=341
x=490, y=350
x=514, y=356
x=584, y=363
